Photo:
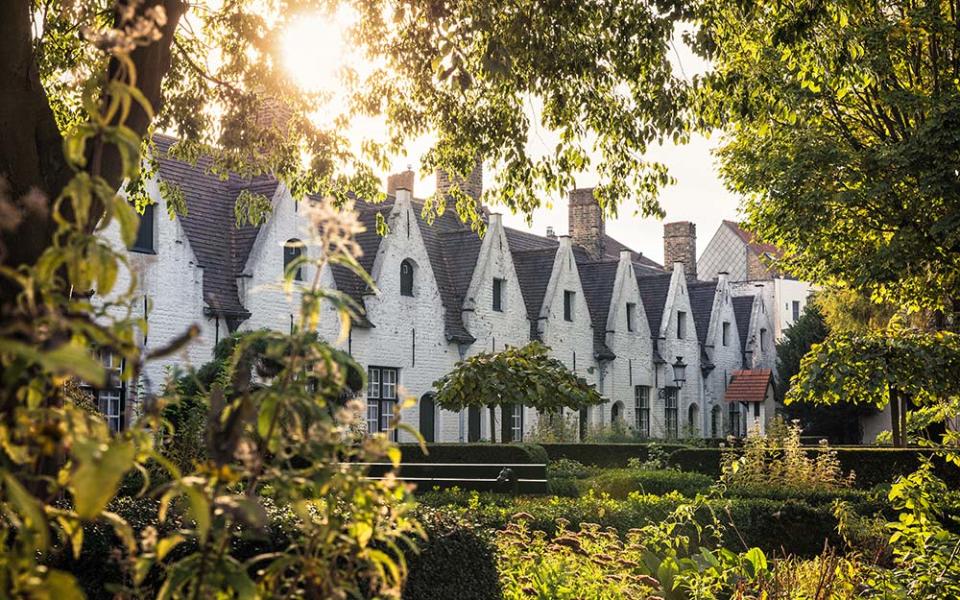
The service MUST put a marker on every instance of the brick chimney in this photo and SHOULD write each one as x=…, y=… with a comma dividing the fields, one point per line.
x=680, y=246
x=586, y=222
x=471, y=186
x=400, y=181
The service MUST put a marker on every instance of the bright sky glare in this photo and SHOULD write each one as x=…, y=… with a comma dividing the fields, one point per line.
x=315, y=50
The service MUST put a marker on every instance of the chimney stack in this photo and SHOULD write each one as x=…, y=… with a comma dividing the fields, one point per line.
x=680, y=246
x=471, y=186
x=586, y=222
x=400, y=181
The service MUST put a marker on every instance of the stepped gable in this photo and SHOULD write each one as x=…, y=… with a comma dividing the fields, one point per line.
x=654, y=290
x=702, y=295
x=742, y=310
x=210, y=225
x=598, y=279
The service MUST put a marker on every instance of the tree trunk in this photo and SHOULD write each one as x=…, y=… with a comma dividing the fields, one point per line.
x=493, y=424
x=31, y=147
x=896, y=423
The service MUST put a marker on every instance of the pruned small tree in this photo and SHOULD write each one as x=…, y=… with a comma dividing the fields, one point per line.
x=894, y=366
x=526, y=376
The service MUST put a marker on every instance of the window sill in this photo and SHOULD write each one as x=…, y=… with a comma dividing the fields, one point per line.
x=143, y=250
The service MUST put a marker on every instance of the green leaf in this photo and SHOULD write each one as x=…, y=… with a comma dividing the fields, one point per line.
x=97, y=474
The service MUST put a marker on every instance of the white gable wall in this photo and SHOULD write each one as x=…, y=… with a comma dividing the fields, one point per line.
x=725, y=358
x=634, y=349
x=571, y=342
x=408, y=332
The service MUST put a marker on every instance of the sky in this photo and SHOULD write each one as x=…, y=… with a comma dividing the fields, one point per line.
x=315, y=48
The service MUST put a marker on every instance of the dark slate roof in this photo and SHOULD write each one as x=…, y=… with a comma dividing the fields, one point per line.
x=742, y=309
x=598, y=279
x=653, y=291
x=701, y=302
x=533, y=271
x=523, y=240
x=347, y=281
x=210, y=225
x=612, y=249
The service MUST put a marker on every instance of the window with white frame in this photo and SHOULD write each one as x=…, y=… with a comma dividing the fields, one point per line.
x=516, y=423
x=681, y=325
x=498, y=284
x=726, y=333
x=381, y=399
x=671, y=410
x=111, y=399
x=642, y=409
x=631, y=316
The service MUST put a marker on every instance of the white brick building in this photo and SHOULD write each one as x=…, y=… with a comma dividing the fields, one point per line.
x=618, y=319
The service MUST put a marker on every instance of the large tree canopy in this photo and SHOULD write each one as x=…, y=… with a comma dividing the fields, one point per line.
x=470, y=73
x=843, y=124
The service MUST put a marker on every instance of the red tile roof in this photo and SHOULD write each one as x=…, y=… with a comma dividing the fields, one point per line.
x=749, y=386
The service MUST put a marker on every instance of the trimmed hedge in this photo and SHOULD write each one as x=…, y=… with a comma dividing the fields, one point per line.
x=619, y=483
x=873, y=466
x=474, y=453
x=776, y=526
x=605, y=455
x=457, y=562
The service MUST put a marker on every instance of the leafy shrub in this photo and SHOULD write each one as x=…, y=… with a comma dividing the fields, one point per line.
x=589, y=563
x=778, y=458
x=457, y=562
x=568, y=468
x=606, y=455
x=656, y=459
x=556, y=429
x=873, y=466
x=619, y=483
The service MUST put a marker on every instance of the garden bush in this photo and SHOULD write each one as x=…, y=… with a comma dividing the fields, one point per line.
x=457, y=562
x=605, y=455
x=619, y=483
x=873, y=466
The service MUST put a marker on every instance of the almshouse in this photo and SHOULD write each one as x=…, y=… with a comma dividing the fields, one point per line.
x=615, y=317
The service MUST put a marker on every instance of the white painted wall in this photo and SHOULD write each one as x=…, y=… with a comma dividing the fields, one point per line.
x=725, y=358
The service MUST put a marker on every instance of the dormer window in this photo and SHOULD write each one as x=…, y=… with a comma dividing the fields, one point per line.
x=498, y=285
x=406, y=278
x=292, y=251
x=146, y=241
x=568, y=305
x=681, y=325
x=631, y=316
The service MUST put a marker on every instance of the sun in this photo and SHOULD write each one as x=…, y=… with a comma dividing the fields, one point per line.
x=315, y=49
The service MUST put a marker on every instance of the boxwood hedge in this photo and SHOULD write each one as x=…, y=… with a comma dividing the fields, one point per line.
x=605, y=455
x=474, y=453
x=619, y=483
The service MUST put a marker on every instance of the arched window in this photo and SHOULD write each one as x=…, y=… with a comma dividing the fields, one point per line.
x=616, y=413
x=693, y=420
x=428, y=417
x=406, y=278
x=715, y=415
x=292, y=251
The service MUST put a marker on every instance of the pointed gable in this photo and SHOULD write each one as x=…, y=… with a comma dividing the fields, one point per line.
x=702, y=297
x=221, y=248
x=654, y=290
x=743, y=310
x=598, y=279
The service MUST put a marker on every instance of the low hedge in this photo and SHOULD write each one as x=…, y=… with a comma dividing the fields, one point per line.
x=605, y=455
x=457, y=562
x=776, y=526
x=619, y=483
x=873, y=466
x=474, y=453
